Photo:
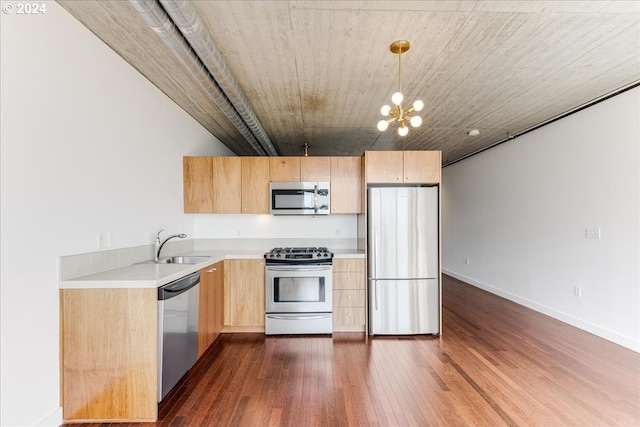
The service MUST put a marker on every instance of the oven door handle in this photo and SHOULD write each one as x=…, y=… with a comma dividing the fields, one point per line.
x=298, y=269
x=307, y=317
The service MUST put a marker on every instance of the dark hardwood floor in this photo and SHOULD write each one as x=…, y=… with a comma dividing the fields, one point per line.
x=496, y=363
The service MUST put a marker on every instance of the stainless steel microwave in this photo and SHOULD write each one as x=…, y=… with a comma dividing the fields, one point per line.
x=299, y=198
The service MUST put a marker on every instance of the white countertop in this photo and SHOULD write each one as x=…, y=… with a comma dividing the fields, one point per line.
x=154, y=275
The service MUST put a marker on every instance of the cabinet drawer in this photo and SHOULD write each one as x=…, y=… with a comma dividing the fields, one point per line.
x=348, y=298
x=348, y=280
x=349, y=316
x=348, y=264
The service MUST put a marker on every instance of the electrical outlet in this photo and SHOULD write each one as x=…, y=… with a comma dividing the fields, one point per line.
x=113, y=239
x=592, y=233
x=102, y=241
x=577, y=291
x=238, y=232
x=338, y=231
x=466, y=261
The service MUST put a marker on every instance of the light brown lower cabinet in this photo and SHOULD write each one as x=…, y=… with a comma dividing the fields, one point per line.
x=211, y=306
x=109, y=348
x=244, y=285
x=109, y=354
x=349, y=299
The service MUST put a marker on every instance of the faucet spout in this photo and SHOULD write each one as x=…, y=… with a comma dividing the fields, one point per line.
x=159, y=244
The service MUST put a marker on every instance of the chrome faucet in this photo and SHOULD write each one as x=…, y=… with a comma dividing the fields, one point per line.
x=158, y=244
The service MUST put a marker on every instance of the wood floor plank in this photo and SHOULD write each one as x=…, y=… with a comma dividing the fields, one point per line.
x=496, y=364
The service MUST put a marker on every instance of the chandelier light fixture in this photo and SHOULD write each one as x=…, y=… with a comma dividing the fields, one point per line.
x=397, y=113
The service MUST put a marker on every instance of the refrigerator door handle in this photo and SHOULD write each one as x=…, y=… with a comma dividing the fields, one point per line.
x=375, y=267
x=375, y=253
x=375, y=292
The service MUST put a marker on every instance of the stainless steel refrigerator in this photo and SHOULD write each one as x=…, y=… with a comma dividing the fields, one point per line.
x=403, y=264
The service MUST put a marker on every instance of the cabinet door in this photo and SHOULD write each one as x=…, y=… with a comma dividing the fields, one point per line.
x=212, y=184
x=348, y=295
x=422, y=167
x=244, y=283
x=197, y=184
x=227, y=184
x=315, y=169
x=284, y=168
x=346, y=185
x=109, y=356
x=348, y=265
x=255, y=184
x=210, y=308
x=383, y=166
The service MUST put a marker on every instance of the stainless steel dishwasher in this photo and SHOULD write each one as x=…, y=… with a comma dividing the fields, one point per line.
x=177, y=330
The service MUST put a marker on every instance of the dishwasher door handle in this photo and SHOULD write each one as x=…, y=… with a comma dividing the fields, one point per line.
x=177, y=287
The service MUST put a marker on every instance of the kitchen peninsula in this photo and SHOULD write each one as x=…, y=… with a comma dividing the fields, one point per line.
x=109, y=330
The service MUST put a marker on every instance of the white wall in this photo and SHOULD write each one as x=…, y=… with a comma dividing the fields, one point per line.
x=519, y=212
x=88, y=146
x=269, y=226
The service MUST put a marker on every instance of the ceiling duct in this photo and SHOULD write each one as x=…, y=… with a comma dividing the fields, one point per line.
x=158, y=20
x=185, y=17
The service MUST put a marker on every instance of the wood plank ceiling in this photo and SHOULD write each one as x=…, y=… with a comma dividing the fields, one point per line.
x=319, y=71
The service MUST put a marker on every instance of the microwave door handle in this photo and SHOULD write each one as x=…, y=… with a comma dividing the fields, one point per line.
x=315, y=198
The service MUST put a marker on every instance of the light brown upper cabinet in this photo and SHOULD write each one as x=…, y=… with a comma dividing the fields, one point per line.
x=383, y=166
x=197, y=188
x=212, y=184
x=300, y=169
x=346, y=185
x=403, y=167
x=284, y=168
x=228, y=185
x=315, y=169
x=255, y=185
x=422, y=166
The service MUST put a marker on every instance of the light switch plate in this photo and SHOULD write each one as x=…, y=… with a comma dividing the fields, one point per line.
x=592, y=233
x=113, y=239
x=102, y=241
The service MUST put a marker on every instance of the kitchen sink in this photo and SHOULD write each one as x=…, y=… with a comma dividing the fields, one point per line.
x=178, y=260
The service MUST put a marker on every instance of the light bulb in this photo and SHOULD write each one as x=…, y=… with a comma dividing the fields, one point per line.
x=415, y=121
x=397, y=98
x=403, y=130
x=382, y=125
x=385, y=110
x=418, y=106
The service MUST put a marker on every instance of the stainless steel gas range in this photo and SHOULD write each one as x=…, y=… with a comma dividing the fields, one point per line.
x=299, y=291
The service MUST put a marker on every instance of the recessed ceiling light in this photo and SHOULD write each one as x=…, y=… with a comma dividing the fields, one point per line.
x=473, y=132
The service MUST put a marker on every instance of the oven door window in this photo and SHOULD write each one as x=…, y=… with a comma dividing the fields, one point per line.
x=298, y=289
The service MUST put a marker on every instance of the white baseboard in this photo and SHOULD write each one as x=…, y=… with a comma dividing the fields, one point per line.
x=625, y=341
x=54, y=419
